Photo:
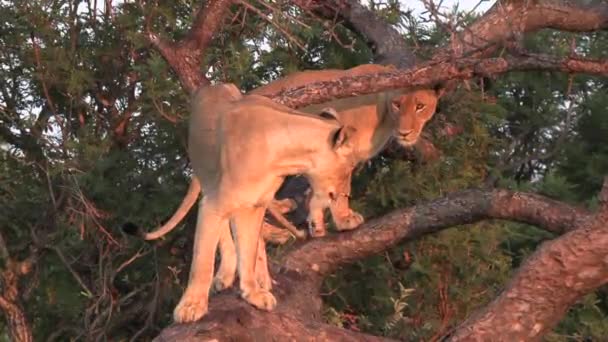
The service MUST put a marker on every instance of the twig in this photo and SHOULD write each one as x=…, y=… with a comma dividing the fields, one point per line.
x=279, y=27
x=74, y=274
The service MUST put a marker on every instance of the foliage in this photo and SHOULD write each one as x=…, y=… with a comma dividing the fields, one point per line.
x=92, y=135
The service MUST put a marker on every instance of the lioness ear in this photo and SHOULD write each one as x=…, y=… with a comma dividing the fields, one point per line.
x=439, y=90
x=341, y=136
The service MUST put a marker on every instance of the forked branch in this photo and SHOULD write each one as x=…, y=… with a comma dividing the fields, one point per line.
x=185, y=56
x=511, y=19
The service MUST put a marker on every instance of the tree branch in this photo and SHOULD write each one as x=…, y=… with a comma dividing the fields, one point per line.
x=427, y=74
x=386, y=43
x=185, y=56
x=547, y=284
x=323, y=256
x=510, y=19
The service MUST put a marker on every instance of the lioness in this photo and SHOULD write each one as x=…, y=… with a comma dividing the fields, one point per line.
x=399, y=113
x=239, y=184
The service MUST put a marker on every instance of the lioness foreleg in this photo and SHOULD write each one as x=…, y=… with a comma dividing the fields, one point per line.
x=246, y=226
x=339, y=206
x=315, y=220
x=193, y=304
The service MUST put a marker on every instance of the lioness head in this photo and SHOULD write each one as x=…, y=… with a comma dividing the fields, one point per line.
x=411, y=111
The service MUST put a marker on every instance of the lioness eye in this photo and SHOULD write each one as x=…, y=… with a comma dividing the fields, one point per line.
x=419, y=106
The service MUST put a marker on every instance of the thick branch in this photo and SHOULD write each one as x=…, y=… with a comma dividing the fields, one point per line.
x=549, y=282
x=428, y=74
x=185, y=56
x=231, y=319
x=323, y=256
x=513, y=18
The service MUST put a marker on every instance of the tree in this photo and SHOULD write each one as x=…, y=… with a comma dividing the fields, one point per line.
x=82, y=153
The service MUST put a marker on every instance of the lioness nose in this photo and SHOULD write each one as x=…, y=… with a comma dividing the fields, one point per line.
x=406, y=132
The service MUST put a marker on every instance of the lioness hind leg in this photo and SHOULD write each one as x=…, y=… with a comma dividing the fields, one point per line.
x=193, y=304
x=224, y=278
x=246, y=226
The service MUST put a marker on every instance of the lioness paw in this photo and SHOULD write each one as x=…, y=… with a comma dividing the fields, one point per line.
x=190, y=308
x=349, y=222
x=261, y=299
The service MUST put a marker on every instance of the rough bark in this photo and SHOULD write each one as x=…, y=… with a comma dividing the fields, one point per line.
x=559, y=273
x=19, y=328
x=235, y=320
x=302, y=269
x=511, y=19
x=428, y=74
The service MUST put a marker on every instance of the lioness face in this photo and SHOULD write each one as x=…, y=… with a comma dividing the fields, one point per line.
x=412, y=111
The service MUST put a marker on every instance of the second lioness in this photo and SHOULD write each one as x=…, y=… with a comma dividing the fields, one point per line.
x=377, y=118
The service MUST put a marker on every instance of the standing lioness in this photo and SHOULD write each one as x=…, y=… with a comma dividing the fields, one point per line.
x=241, y=148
